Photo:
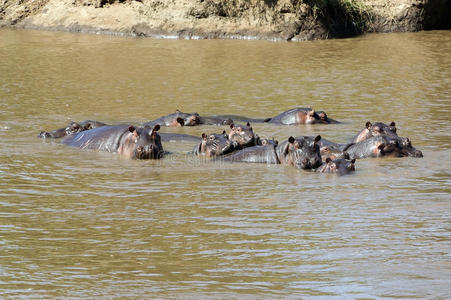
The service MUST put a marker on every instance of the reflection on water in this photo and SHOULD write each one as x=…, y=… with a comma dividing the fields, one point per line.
x=86, y=224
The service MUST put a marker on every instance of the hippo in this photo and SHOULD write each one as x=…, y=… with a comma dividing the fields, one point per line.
x=214, y=145
x=215, y=120
x=340, y=166
x=243, y=136
x=236, y=118
x=301, y=115
x=176, y=119
x=178, y=137
x=382, y=145
x=126, y=140
x=265, y=153
x=72, y=127
x=375, y=129
x=301, y=152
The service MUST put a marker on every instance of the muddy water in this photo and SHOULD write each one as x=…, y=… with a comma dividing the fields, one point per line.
x=86, y=224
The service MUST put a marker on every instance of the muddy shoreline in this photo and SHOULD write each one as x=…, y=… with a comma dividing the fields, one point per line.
x=227, y=19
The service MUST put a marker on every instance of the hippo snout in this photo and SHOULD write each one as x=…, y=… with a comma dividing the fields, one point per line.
x=417, y=153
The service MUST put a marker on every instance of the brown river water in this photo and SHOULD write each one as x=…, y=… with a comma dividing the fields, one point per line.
x=85, y=224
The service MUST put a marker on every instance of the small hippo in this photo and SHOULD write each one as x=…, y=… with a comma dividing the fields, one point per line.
x=301, y=115
x=214, y=145
x=72, y=127
x=176, y=119
x=126, y=140
x=375, y=129
x=341, y=166
x=243, y=136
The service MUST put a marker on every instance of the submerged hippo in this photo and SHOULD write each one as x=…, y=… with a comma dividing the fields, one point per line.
x=382, y=145
x=127, y=140
x=300, y=152
x=214, y=145
x=341, y=166
x=301, y=115
x=72, y=127
x=176, y=119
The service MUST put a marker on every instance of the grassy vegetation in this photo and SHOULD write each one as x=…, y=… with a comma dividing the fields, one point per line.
x=354, y=15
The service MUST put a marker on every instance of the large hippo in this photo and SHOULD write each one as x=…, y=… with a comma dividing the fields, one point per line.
x=301, y=115
x=374, y=129
x=176, y=119
x=214, y=145
x=382, y=145
x=127, y=140
x=72, y=127
x=300, y=152
x=340, y=166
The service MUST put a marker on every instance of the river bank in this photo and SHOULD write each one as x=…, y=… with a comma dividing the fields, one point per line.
x=243, y=19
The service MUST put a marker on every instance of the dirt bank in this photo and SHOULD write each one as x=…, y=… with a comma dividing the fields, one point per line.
x=260, y=19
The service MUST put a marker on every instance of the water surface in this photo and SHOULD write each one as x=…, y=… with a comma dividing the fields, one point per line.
x=85, y=224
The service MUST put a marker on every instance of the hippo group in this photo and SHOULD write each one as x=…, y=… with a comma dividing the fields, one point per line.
x=240, y=143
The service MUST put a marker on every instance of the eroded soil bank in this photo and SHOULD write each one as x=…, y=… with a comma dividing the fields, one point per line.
x=260, y=19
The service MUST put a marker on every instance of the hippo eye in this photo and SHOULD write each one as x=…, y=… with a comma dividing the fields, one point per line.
x=212, y=137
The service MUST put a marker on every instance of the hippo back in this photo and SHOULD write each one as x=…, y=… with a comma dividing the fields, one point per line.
x=105, y=138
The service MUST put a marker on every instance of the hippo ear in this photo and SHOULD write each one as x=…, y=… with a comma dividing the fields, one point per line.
x=328, y=160
x=132, y=129
x=156, y=128
x=381, y=146
x=353, y=161
x=393, y=123
x=248, y=124
x=317, y=139
x=223, y=132
x=368, y=125
x=231, y=126
x=204, y=136
x=291, y=140
x=181, y=121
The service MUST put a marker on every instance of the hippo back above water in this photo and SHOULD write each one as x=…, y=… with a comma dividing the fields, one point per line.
x=301, y=115
x=126, y=140
x=176, y=119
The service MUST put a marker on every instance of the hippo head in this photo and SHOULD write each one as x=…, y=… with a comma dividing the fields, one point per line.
x=331, y=152
x=408, y=149
x=379, y=128
x=311, y=117
x=302, y=152
x=214, y=145
x=387, y=146
x=321, y=117
x=74, y=127
x=143, y=143
x=187, y=119
x=341, y=166
x=242, y=135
